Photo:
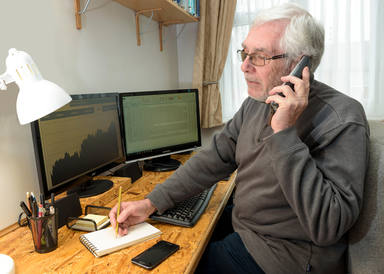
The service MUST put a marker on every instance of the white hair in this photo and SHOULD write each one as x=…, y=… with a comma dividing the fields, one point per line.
x=303, y=34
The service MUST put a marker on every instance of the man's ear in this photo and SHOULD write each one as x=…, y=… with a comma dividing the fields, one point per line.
x=292, y=66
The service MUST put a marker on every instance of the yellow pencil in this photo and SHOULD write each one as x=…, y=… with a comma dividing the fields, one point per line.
x=118, y=212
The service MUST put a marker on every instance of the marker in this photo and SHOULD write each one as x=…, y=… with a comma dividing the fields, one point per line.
x=42, y=201
x=25, y=209
x=41, y=211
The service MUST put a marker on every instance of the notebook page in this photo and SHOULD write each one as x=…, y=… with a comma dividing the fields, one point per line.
x=104, y=241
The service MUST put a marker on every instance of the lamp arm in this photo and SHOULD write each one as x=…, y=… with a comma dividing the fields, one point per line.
x=5, y=79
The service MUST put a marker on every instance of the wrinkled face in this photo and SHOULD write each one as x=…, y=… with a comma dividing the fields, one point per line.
x=264, y=40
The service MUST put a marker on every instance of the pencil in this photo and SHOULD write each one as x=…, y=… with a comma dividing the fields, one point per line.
x=118, y=212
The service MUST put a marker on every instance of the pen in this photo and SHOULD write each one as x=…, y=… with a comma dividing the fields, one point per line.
x=118, y=212
x=35, y=208
x=30, y=203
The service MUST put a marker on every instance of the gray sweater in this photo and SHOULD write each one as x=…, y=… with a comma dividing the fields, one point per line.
x=297, y=191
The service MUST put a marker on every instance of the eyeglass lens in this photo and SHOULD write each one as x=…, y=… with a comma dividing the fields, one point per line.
x=254, y=59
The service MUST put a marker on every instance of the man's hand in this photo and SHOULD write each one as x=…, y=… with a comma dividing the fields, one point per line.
x=131, y=213
x=293, y=104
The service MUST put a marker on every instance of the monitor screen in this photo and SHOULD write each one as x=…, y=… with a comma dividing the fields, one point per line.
x=78, y=141
x=158, y=124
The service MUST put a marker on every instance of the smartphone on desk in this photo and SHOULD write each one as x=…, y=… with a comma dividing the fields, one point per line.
x=298, y=72
x=156, y=254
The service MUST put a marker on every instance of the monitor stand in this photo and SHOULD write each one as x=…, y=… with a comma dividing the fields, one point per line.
x=131, y=170
x=165, y=163
x=91, y=188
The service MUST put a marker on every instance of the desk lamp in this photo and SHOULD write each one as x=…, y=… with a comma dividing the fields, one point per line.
x=37, y=96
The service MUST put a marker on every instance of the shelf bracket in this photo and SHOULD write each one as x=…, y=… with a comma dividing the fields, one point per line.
x=77, y=14
x=161, y=35
x=161, y=24
x=137, y=14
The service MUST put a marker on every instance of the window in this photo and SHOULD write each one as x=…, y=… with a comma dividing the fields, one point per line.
x=350, y=62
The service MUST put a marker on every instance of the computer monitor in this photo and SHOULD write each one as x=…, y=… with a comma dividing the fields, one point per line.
x=77, y=142
x=157, y=124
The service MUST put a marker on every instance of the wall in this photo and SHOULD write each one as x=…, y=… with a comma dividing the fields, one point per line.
x=103, y=56
x=186, y=42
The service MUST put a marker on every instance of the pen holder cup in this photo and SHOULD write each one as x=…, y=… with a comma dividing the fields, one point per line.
x=44, y=232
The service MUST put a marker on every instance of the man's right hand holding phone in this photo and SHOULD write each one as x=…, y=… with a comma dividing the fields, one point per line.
x=292, y=104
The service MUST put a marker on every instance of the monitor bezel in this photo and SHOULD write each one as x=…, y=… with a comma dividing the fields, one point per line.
x=80, y=178
x=163, y=151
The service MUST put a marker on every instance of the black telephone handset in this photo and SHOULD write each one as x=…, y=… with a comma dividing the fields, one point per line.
x=297, y=71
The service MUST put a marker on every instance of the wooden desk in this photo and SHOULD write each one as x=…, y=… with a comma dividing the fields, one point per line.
x=72, y=257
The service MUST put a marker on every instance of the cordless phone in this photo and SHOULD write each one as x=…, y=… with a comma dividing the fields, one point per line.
x=297, y=71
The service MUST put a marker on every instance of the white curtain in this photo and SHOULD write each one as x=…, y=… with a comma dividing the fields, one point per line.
x=353, y=60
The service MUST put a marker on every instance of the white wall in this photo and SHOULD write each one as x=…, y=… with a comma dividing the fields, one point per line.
x=186, y=42
x=103, y=56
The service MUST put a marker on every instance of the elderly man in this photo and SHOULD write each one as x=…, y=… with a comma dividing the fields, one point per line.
x=300, y=170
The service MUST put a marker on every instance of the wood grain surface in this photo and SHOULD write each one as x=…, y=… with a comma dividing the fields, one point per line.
x=72, y=257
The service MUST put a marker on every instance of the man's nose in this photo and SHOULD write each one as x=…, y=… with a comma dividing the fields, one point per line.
x=246, y=65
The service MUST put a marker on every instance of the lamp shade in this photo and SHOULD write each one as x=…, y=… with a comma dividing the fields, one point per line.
x=37, y=96
x=39, y=99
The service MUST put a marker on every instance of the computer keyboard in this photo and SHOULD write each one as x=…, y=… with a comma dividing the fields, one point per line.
x=188, y=212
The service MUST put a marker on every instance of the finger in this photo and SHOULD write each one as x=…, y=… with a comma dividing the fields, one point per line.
x=282, y=90
x=136, y=219
x=274, y=98
x=123, y=231
x=306, y=77
x=290, y=79
x=112, y=216
x=123, y=228
x=124, y=214
x=299, y=86
x=113, y=222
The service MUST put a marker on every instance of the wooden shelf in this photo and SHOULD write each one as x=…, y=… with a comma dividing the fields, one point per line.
x=170, y=12
x=166, y=12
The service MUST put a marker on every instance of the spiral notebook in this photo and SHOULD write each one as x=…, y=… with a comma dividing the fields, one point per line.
x=102, y=242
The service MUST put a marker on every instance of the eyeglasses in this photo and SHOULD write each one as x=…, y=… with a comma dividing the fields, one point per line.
x=256, y=59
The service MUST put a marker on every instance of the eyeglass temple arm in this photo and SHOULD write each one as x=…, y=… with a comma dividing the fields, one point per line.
x=278, y=56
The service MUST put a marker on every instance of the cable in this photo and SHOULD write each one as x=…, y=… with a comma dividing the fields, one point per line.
x=182, y=28
x=85, y=8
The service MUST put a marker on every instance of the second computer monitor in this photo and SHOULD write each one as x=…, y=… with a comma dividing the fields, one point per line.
x=157, y=124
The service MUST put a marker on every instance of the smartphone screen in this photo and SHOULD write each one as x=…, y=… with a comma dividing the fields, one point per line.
x=154, y=255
